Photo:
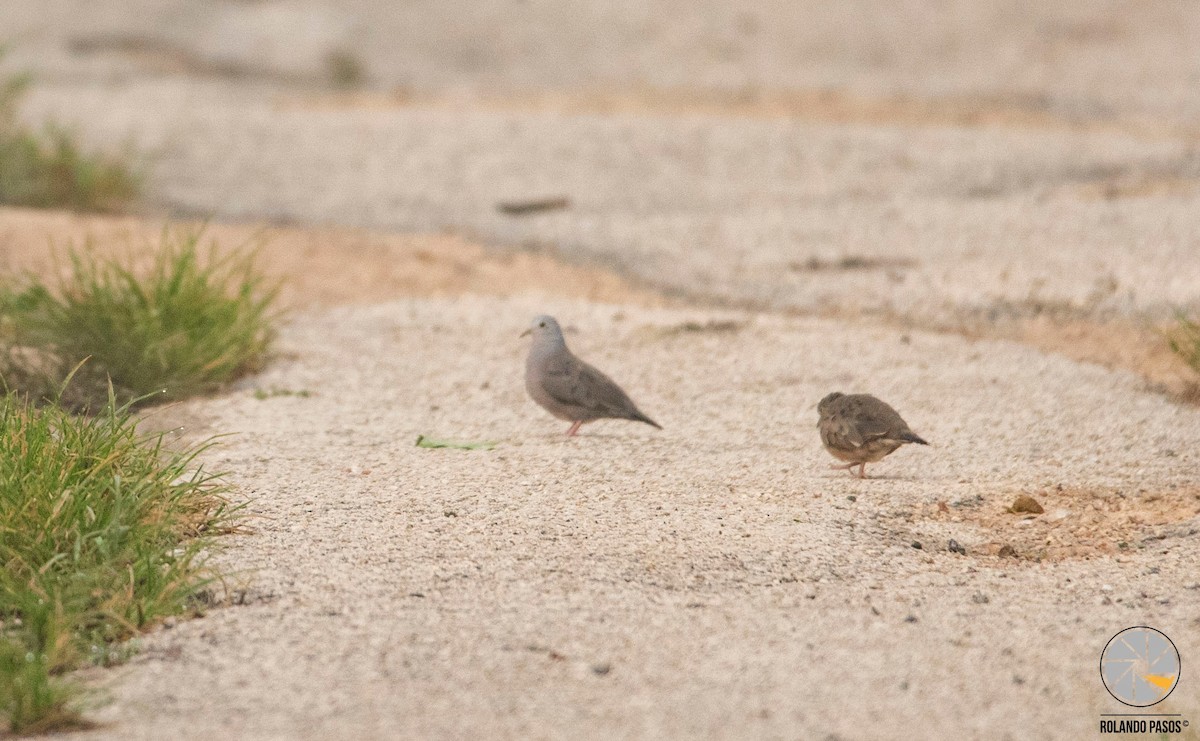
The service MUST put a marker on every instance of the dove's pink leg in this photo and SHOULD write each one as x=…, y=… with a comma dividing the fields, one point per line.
x=574, y=428
x=862, y=468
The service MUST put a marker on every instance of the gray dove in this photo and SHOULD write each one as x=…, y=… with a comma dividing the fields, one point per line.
x=569, y=388
x=861, y=429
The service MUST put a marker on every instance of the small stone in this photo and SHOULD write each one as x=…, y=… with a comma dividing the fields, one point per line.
x=910, y=619
x=1007, y=551
x=1026, y=503
x=601, y=669
x=917, y=544
x=980, y=598
x=852, y=498
x=170, y=622
x=954, y=547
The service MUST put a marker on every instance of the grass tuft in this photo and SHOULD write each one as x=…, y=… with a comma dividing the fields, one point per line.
x=1185, y=340
x=102, y=532
x=189, y=324
x=48, y=169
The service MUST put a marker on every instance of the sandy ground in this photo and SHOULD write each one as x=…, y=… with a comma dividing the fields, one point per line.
x=762, y=205
x=712, y=580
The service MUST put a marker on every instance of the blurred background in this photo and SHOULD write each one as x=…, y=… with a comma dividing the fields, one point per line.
x=944, y=160
x=1016, y=169
x=1079, y=60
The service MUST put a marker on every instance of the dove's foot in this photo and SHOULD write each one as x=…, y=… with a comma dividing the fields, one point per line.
x=862, y=468
x=574, y=429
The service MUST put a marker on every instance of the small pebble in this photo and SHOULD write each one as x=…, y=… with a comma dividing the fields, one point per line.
x=954, y=547
x=1026, y=503
x=917, y=544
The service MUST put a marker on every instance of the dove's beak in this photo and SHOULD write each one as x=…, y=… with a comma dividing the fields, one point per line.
x=527, y=332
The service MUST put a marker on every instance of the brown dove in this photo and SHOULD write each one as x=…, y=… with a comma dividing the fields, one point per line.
x=569, y=388
x=861, y=429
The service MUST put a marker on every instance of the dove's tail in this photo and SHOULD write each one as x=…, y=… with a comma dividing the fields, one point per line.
x=639, y=417
x=912, y=437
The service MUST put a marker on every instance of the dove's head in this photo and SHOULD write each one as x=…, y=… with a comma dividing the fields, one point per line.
x=824, y=404
x=545, y=331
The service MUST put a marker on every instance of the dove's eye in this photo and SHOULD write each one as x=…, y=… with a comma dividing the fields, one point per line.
x=541, y=324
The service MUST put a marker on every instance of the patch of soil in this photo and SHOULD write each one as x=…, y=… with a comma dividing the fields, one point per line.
x=1140, y=347
x=819, y=105
x=325, y=266
x=1078, y=522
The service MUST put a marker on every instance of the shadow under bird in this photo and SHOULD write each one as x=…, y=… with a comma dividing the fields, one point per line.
x=569, y=388
x=861, y=429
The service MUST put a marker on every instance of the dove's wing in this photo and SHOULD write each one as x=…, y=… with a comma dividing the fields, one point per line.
x=839, y=431
x=572, y=382
x=876, y=420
